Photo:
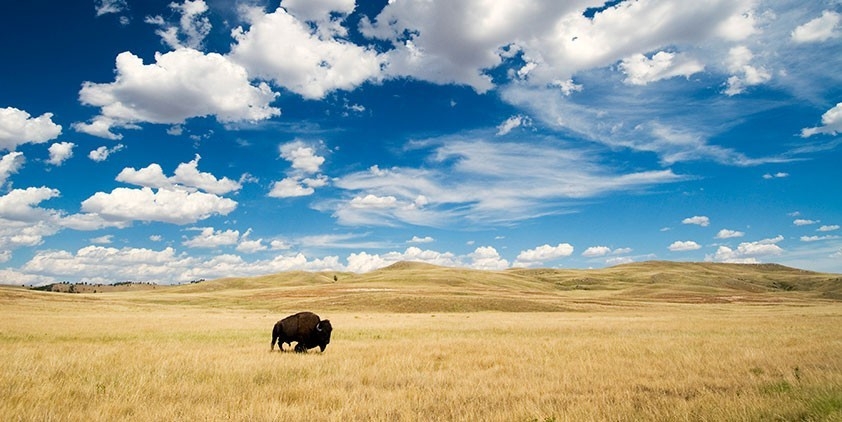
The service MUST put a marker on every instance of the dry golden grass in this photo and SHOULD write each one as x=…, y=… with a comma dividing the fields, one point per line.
x=196, y=353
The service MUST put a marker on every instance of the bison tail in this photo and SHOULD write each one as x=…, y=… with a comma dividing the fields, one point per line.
x=272, y=346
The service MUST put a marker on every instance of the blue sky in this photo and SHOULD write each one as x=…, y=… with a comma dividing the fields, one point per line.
x=173, y=141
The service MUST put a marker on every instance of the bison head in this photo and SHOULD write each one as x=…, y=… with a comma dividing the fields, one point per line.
x=323, y=330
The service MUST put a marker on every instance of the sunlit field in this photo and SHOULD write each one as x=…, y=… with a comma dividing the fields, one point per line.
x=143, y=356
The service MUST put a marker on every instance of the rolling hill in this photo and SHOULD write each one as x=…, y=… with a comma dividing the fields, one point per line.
x=418, y=287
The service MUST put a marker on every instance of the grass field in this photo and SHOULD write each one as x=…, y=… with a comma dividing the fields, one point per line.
x=424, y=343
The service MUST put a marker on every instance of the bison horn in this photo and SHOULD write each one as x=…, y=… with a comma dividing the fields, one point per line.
x=319, y=327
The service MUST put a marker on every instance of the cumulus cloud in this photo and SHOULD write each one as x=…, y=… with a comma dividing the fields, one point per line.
x=443, y=42
x=168, y=205
x=180, y=85
x=192, y=27
x=819, y=29
x=372, y=201
x=304, y=162
x=308, y=60
x=642, y=70
x=99, y=264
x=595, y=251
x=748, y=252
x=831, y=123
x=363, y=262
x=18, y=127
x=187, y=175
x=210, y=238
x=829, y=228
x=729, y=234
x=102, y=153
x=10, y=164
x=177, y=200
x=684, y=245
x=542, y=254
x=59, y=152
x=417, y=239
x=698, y=220
x=745, y=74
x=303, y=157
x=23, y=223
x=487, y=258
x=803, y=222
x=778, y=175
x=290, y=188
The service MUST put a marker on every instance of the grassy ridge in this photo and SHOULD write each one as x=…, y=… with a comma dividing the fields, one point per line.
x=415, y=287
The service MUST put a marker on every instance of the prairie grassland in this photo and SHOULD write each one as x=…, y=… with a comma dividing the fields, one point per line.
x=105, y=357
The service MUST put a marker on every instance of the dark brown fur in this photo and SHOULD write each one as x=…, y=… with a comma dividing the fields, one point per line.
x=304, y=328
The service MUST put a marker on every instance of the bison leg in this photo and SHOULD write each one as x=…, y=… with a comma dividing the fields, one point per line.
x=300, y=348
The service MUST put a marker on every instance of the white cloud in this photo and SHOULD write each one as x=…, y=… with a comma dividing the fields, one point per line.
x=372, y=201
x=425, y=239
x=619, y=260
x=59, y=152
x=17, y=127
x=187, y=175
x=363, y=262
x=180, y=85
x=686, y=245
x=512, y=123
x=104, y=7
x=641, y=70
x=487, y=258
x=748, y=252
x=103, y=240
x=302, y=156
x=192, y=27
x=484, y=182
x=289, y=188
x=10, y=164
x=19, y=204
x=310, y=61
x=22, y=222
x=831, y=123
x=542, y=254
x=102, y=153
x=829, y=228
x=169, y=205
x=697, y=220
x=819, y=29
x=803, y=222
x=210, y=238
x=443, y=42
x=304, y=161
x=817, y=238
x=595, y=251
x=150, y=176
x=744, y=73
x=278, y=245
x=250, y=246
x=728, y=234
x=778, y=175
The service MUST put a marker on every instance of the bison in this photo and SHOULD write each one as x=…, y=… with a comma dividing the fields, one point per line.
x=304, y=328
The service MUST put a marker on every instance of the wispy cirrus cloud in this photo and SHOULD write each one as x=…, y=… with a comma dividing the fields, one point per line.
x=483, y=182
